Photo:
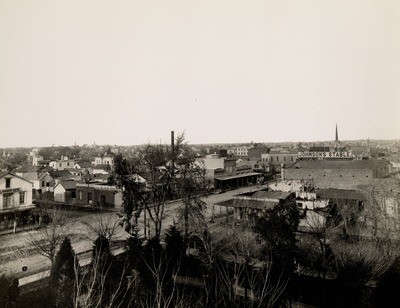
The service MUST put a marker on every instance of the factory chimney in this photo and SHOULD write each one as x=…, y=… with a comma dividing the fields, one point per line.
x=172, y=152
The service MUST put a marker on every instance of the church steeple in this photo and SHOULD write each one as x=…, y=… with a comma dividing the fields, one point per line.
x=336, y=139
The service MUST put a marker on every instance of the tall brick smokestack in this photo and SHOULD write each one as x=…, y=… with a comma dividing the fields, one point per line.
x=173, y=152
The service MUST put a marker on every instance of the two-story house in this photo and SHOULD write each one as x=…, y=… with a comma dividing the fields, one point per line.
x=106, y=159
x=15, y=200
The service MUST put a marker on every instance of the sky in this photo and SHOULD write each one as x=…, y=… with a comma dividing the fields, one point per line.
x=129, y=72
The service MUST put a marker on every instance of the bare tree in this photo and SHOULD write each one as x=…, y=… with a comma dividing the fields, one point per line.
x=314, y=243
x=381, y=215
x=159, y=184
x=193, y=185
x=233, y=272
x=92, y=284
x=126, y=177
x=104, y=224
x=47, y=239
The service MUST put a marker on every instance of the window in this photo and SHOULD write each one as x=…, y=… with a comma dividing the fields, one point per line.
x=47, y=184
x=89, y=197
x=103, y=200
x=292, y=158
x=277, y=158
x=284, y=158
x=7, y=200
x=80, y=195
x=8, y=182
x=67, y=164
x=22, y=197
x=42, y=183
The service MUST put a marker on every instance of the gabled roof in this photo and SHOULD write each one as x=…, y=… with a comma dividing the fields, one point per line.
x=4, y=173
x=28, y=168
x=84, y=164
x=59, y=173
x=108, y=153
x=68, y=185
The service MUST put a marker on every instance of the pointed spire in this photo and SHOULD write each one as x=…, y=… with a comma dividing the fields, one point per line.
x=336, y=135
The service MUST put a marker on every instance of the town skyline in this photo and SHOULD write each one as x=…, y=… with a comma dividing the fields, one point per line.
x=224, y=72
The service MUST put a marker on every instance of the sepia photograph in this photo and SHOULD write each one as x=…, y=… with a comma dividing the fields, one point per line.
x=189, y=154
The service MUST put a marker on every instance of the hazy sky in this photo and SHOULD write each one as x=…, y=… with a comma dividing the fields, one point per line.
x=129, y=72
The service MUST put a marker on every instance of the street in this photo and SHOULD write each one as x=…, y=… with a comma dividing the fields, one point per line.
x=16, y=251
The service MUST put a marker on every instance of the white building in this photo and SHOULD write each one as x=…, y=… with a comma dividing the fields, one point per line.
x=15, y=192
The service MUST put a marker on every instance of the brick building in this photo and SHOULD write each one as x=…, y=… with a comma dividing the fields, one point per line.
x=345, y=174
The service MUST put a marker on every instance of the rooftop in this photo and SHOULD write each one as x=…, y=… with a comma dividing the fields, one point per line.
x=336, y=164
x=264, y=194
x=68, y=185
x=345, y=194
x=249, y=203
x=235, y=176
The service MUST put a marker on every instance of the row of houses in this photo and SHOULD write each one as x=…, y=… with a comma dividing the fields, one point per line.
x=66, y=180
x=17, y=194
x=65, y=162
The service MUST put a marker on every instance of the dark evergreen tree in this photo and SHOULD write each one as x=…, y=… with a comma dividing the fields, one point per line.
x=175, y=248
x=276, y=229
x=151, y=263
x=134, y=249
x=102, y=278
x=387, y=290
x=62, y=276
x=350, y=285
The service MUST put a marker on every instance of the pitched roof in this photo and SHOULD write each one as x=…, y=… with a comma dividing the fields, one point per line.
x=249, y=203
x=68, y=185
x=102, y=177
x=333, y=193
x=28, y=168
x=249, y=163
x=59, y=173
x=102, y=167
x=235, y=176
x=84, y=164
x=30, y=176
x=286, y=152
x=265, y=194
x=4, y=173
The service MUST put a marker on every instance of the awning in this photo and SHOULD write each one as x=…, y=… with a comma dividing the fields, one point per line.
x=237, y=176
